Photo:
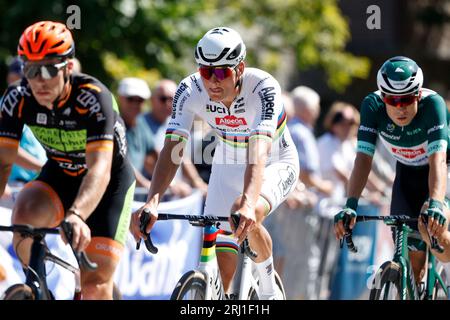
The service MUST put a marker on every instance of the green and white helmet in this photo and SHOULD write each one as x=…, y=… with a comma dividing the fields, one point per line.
x=399, y=76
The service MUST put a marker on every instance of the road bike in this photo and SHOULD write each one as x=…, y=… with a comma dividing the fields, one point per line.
x=35, y=286
x=394, y=280
x=204, y=282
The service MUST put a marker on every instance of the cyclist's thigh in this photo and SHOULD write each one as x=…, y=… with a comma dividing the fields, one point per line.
x=225, y=185
x=280, y=179
x=409, y=192
x=39, y=203
x=109, y=223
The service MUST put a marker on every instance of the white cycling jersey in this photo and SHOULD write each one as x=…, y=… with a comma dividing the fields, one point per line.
x=256, y=113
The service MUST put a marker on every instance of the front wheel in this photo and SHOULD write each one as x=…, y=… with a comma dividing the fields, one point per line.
x=191, y=286
x=253, y=294
x=387, y=283
x=18, y=292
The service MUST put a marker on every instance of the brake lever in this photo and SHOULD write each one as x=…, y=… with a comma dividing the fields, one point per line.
x=348, y=235
x=145, y=218
x=82, y=258
x=433, y=241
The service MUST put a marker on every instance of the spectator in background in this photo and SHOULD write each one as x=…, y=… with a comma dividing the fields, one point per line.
x=306, y=103
x=157, y=119
x=337, y=150
x=133, y=93
x=31, y=155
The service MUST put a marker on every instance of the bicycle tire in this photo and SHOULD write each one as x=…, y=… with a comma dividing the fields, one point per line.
x=438, y=291
x=390, y=275
x=18, y=292
x=191, y=280
x=253, y=295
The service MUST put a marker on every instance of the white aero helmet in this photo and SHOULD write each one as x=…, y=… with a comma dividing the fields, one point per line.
x=399, y=76
x=220, y=46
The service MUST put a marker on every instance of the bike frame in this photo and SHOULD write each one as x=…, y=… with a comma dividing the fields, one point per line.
x=208, y=265
x=401, y=256
x=36, y=275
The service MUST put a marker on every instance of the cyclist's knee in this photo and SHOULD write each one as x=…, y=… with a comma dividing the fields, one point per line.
x=39, y=205
x=261, y=209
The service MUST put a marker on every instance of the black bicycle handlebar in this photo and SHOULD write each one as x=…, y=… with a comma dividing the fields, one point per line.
x=26, y=230
x=195, y=220
x=396, y=220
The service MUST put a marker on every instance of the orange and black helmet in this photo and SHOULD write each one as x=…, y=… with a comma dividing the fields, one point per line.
x=46, y=39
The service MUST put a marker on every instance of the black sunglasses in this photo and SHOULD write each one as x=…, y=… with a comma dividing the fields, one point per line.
x=47, y=71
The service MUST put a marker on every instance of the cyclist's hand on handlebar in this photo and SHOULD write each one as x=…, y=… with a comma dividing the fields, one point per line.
x=135, y=225
x=437, y=222
x=339, y=229
x=246, y=223
x=81, y=234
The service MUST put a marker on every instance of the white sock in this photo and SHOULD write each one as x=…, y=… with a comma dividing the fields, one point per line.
x=266, y=271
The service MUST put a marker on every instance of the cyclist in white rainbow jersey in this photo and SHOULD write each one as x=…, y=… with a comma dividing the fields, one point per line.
x=255, y=164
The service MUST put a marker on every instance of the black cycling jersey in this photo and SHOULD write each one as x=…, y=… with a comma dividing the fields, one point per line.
x=86, y=119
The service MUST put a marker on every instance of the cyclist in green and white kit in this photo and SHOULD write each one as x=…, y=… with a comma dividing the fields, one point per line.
x=412, y=123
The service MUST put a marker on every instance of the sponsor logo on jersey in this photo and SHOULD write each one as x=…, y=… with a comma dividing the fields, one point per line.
x=194, y=79
x=390, y=136
x=41, y=118
x=390, y=127
x=213, y=108
x=287, y=180
x=231, y=121
x=66, y=112
x=89, y=100
x=435, y=128
x=11, y=100
x=368, y=129
x=182, y=87
x=267, y=96
x=239, y=107
x=68, y=124
x=413, y=132
x=408, y=153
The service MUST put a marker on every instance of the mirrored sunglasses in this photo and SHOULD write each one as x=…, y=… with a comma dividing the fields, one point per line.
x=400, y=101
x=221, y=73
x=47, y=71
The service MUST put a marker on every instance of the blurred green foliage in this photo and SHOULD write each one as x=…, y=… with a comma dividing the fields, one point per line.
x=156, y=38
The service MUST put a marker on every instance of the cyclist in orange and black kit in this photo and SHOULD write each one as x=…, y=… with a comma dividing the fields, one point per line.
x=87, y=178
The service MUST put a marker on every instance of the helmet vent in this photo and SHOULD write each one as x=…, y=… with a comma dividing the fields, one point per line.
x=57, y=44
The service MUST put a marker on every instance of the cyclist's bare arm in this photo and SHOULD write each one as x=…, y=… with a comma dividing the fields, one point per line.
x=257, y=153
x=359, y=176
x=95, y=181
x=27, y=161
x=7, y=157
x=168, y=161
x=357, y=182
x=437, y=183
x=437, y=178
x=91, y=191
